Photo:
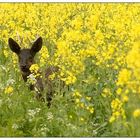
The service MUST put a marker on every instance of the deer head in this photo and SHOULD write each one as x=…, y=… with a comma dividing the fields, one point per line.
x=26, y=59
x=25, y=56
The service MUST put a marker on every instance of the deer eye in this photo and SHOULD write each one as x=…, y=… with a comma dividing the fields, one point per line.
x=31, y=59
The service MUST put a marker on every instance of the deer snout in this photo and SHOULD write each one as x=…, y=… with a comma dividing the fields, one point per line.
x=24, y=68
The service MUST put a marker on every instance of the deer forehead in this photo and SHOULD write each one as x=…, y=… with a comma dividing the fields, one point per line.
x=25, y=54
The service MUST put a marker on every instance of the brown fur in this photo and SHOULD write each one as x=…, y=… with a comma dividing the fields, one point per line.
x=26, y=59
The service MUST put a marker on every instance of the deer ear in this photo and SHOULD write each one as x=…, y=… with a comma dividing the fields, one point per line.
x=14, y=46
x=37, y=45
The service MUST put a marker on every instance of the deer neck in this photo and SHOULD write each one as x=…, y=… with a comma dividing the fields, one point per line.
x=25, y=75
x=38, y=84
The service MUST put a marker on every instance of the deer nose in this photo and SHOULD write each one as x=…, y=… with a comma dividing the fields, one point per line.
x=24, y=68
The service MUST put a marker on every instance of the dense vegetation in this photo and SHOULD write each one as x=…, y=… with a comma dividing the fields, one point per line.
x=97, y=48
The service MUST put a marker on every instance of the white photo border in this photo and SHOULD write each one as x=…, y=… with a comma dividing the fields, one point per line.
x=69, y=1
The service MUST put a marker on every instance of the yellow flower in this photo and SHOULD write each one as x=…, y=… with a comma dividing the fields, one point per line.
x=124, y=76
x=77, y=100
x=91, y=110
x=9, y=90
x=126, y=91
x=44, y=55
x=77, y=94
x=52, y=76
x=136, y=113
x=116, y=104
x=82, y=105
x=125, y=98
x=106, y=92
x=112, y=119
x=70, y=80
x=116, y=114
x=99, y=36
x=88, y=98
x=5, y=53
x=119, y=90
x=34, y=68
x=81, y=119
x=87, y=107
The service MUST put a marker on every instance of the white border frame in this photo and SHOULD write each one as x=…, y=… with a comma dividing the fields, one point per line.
x=68, y=1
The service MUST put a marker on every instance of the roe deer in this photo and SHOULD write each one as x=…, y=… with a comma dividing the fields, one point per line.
x=26, y=59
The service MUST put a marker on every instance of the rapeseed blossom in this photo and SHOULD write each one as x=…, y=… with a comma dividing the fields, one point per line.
x=9, y=90
x=94, y=45
x=136, y=113
x=34, y=68
x=44, y=55
x=32, y=78
x=124, y=76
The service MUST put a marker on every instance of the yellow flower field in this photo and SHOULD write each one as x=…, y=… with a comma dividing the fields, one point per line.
x=97, y=49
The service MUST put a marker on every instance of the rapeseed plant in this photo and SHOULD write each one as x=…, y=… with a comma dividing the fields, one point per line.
x=97, y=50
x=136, y=113
x=9, y=90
